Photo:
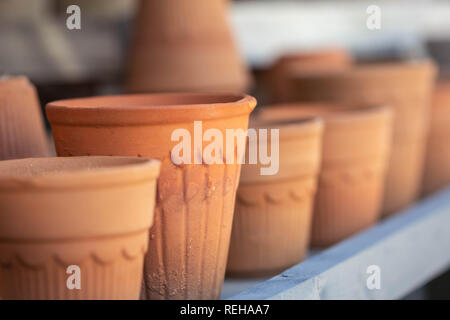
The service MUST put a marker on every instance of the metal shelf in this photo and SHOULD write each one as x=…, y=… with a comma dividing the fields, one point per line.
x=410, y=248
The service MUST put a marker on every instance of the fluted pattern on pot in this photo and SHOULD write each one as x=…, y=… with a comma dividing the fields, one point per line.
x=336, y=205
x=104, y=273
x=22, y=132
x=187, y=220
x=271, y=226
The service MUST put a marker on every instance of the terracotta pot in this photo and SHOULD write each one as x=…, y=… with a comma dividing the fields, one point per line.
x=304, y=63
x=407, y=86
x=90, y=212
x=273, y=214
x=22, y=131
x=181, y=45
x=352, y=176
x=437, y=162
x=194, y=211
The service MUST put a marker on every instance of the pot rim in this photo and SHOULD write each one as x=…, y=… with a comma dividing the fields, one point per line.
x=76, y=172
x=290, y=127
x=6, y=80
x=139, y=109
x=387, y=69
x=335, y=113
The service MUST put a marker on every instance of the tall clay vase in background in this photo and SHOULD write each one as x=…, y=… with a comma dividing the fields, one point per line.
x=22, y=130
x=437, y=162
x=184, y=45
x=273, y=214
x=194, y=210
x=407, y=87
x=326, y=60
x=88, y=217
x=356, y=144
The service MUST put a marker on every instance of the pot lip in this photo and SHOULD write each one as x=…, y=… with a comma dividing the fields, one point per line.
x=137, y=109
x=385, y=68
x=335, y=113
x=289, y=127
x=87, y=171
x=329, y=52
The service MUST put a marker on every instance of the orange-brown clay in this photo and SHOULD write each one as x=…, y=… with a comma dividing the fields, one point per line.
x=304, y=63
x=356, y=144
x=437, y=162
x=273, y=214
x=407, y=87
x=90, y=212
x=190, y=239
x=22, y=131
x=184, y=45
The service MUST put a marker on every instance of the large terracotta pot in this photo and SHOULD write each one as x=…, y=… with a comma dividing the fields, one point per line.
x=184, y=45
x=356, y=144
x=304, y=63
x=194, y=211
x=90, y=212
x=22, y=130
x=407, y=87
x=437, y=162
x=273, y=214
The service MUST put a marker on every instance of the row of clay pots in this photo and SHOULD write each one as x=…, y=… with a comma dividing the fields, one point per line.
x=407, y=87
x=278, y=216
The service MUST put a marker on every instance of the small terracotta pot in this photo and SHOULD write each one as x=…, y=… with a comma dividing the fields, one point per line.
x=273, y=214
x=407, y=87
x=181, y=45
x=90, y=212
x=352, y=176
x=304, y=63
x=22, y=131
x=194, y=211
x=437, y=162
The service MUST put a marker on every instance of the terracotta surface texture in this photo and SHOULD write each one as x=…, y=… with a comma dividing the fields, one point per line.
x=22, y=131
x=406, y=86
x=273, y=214
x=190, y=239
x=181, y=45
x=326, y=60
x=356, y=145
x=437, y=162
x=91, y=212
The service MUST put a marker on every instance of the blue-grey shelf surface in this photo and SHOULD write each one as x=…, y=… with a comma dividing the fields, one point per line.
x=408, y=249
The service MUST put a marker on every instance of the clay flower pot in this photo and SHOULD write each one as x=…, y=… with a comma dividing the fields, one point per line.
x=194, y=210
x=407, y=87
x=304, y=63
x=184, y=45
x=22, y=131
x=273, y=214
x=352, y=176
x=90, y=212
x=437, y=162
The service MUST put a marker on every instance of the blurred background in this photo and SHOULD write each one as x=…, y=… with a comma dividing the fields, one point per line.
x=63, y=63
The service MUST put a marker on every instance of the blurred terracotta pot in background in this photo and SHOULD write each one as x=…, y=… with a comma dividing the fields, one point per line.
x=194, y=211
x=59, y=214
x=22, y=130
x=407, y=87
x=356, y=144
x=437, y=162
x=273, y=214
x=326, y=60
x=184, y=45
